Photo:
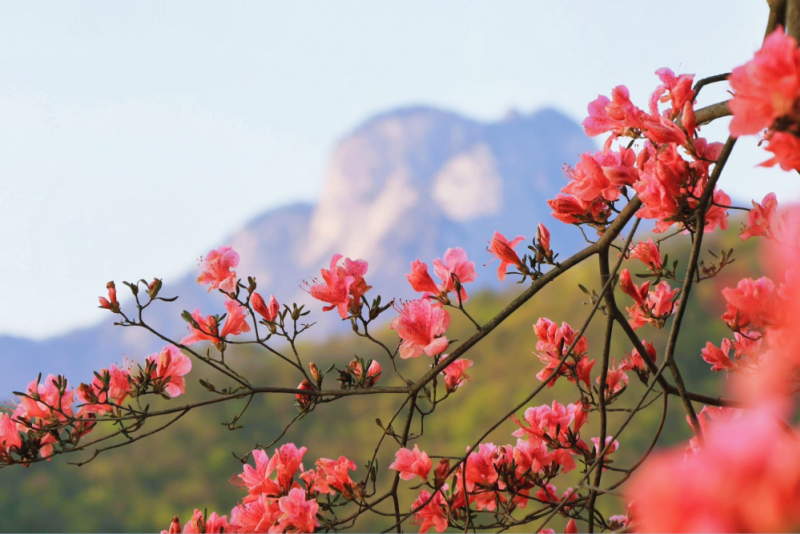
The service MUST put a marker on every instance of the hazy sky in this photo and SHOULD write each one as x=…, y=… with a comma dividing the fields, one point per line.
x=135, y=136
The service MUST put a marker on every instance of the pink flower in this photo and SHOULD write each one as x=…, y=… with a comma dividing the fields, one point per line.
x=334, y=475
x=616, y=379
x=455, y=376
x=235, y=324
x=420, y=280
x=9, y=435
x=759, y=219
x=745, y=478
x=635, y=362
x=648, y=253
x=618, y=115
x=259, y=515
x=198, y=524
x=767, y=87
x=572, y=210
x=434, y=514
x=297, y=513
x=503, y=250
x=269, y=313
x=217, y=269
x=455, y=263
x=236, y=321
x=480, y=466
x=717, y=214
x=207, y=330
x=750, y=304
x=718, y=358
x=419, y=326
x=571, y=527
x=171, y=367
x=678, y=90
x=661, y=301
x=342, y=287
x=412, y=463
x=786, y=148
x=638, y=294
x=286, y=461
x=531, y=454
x=118, y=390
x=612, y=447
x=257, y=480
x=554, y=339
x=602, y=174
x=52, y=405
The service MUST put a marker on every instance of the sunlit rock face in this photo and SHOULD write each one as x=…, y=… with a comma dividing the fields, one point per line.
x=406, y=184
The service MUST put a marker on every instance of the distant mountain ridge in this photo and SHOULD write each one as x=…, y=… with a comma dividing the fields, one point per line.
x=406, y=184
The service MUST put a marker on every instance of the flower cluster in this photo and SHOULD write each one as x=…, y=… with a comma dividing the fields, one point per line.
x=49, y=414
x=501, y=479
x=668, y=184
x=276, y=500
x=650, y=307
x=553, y=343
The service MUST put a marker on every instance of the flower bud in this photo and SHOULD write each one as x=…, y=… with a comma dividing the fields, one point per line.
x=440, y=475
x=175, y=526
x=315, y=373
x=154, y=288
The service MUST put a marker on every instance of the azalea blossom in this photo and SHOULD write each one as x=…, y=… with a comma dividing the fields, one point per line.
x=745, y=478
x=51, y=403
x=257, y=479
x=759, y=219
x=750, y=303
x=454, y=374
x=412, y=463
x=217, y=269
x=718, y=357
x=171, y=367
x=198, y=524
x=454, y=264
x=298, y=514
x=96, y=400
x=503, y=250
x=767, y=87
x=342, y=287
x=208, y=329
x=786, y=150
x=432, y=515
x=333, y=475
x=268, y=312
x=9, y=435
x=373, y=372
x=421, y=326
x=258, y=515
x=648, y=253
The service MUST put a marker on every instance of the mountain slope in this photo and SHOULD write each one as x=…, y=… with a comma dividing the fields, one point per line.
x=406, y=184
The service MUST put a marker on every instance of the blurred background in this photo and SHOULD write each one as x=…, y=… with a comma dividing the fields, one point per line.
x=134, y=138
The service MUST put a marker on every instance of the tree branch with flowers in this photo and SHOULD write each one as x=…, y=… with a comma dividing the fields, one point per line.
x=740, y=471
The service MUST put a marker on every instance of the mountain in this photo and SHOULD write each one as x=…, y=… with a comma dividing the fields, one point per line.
x=406, y=184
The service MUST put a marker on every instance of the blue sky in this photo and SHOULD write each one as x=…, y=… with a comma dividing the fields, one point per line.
x=136, y=136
